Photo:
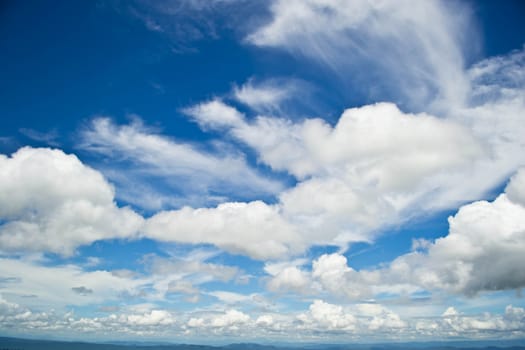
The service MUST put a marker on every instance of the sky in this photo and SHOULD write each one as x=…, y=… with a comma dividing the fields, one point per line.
x=285, y=171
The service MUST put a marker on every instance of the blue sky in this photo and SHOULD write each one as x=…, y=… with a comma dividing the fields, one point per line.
x=280, y=171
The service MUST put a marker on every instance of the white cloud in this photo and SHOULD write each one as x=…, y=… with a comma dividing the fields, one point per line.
x=339, y=322
x=185, y=287
x=255, y=229
x=215, y=115
x=231, y=297
x=378, y=142
x=336, y=277
x=325, y=316
x=52, y=202
x=184, y=168
x=269, y=95
x=152, y=318
x=289, y=279
x=371, y=169
x=515, y=190
x=264, y=320
x=378, y=166
x=62, y=286
x=421, y=56
x=191, y=265
x=483, y=251
x=184, y=274
x=230, y=318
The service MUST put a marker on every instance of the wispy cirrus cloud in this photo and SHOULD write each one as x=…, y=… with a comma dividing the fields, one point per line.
x=187, y=170
x=185, y=23
x=416, y=57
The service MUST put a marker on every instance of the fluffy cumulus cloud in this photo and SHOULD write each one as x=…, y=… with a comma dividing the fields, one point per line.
x=327, y=316
x=335, y=276
x=255, y=228
x=487, y=325
x=481, y=252
x=290, y=278
x=372, y=138
x=127, y=323
x=50, y=201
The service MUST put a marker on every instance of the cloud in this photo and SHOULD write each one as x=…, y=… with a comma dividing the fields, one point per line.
x=215, y=115
x=338, y=278
x=153, y=318
x=184, y=275
x=183, y=167
x=370, y=170
x=61, y=286
x=184, y=287
x=515, y=189
x=418, y=56
x=82, y=290
x=255, y=229
x=328, y=316
x=50, y=201
x=481, y=252
x=341, y=322
x=268, y=96
x=185, y=23
x=379, y=166
x=289, y=279
x=373, y=138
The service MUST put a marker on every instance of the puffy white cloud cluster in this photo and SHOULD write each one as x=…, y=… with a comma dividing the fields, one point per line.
x=327, y=316
x=341, y=322
x=50, y=201
x=18, y=320
x=483, y=251
x=289, y=278
x=255, y=229
x=151, y=318
x=487, y=325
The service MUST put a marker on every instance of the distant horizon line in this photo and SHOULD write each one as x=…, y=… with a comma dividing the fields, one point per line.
x=455, y=343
